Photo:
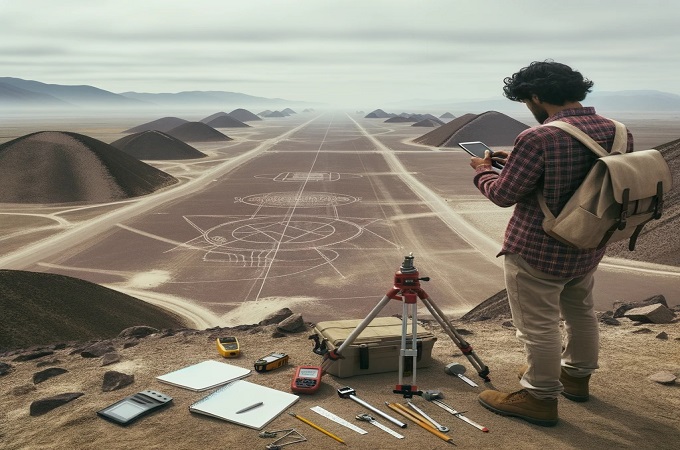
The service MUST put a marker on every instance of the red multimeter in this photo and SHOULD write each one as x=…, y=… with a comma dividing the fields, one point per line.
x=306, y=380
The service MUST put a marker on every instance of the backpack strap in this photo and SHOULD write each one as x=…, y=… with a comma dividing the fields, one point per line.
x=620, y=137
x=618, y=147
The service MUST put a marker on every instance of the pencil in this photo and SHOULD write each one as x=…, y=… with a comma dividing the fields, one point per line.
x=315, y=426
x=416, y=419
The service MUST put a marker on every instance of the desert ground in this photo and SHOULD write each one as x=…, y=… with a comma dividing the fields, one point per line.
x=314, y=211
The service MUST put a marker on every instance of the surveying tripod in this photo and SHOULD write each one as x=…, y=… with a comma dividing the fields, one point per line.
x=407, y=289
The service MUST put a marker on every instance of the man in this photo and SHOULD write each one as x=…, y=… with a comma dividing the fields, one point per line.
x=545, y=279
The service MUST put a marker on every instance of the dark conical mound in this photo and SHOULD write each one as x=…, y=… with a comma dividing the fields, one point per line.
x=428, y=123
x=63, y=167
x=164, y=124
x=491, y=127
x=447, y=115
x=288, y=111
x=276, y=114
x=265, y=113
x=152, y=144
x=197, y=132
x=377, y=114
x=226, y=121
x=244, y=115
x=212, y=117
x=43, y=308
x=401, y=119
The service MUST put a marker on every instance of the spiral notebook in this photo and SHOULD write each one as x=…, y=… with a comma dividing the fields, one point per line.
x=204, y=375
x=245, y=403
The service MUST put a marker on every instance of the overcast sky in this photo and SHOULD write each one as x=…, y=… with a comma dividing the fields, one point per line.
x=359, y=53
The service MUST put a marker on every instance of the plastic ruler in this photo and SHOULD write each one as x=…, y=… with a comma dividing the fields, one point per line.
x=337, y=419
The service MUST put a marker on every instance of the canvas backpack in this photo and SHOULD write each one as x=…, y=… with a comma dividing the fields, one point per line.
x=621, y=193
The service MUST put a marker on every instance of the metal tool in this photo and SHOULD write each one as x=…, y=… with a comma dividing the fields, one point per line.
x=368, y=418
x=458, y=370
x=278, y=443
x=418, y=420
x=337, y=419
x=460, y=415
x=436, y=424
x=348, y=392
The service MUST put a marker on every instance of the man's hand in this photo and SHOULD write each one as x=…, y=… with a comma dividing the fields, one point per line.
x=486, y=161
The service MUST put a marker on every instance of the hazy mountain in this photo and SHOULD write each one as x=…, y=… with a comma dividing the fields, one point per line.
x=76, y=95
x=17, y=93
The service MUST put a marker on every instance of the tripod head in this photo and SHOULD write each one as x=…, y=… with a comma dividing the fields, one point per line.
x=407, y=277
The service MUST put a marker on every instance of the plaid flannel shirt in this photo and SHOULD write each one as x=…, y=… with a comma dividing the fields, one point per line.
x=550, y=159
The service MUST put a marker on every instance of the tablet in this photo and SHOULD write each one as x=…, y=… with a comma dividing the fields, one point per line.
x=477, y=148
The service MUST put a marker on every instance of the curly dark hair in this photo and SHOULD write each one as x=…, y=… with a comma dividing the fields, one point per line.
x=551, y=81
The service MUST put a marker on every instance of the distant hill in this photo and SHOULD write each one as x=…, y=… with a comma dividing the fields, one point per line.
x=163, y=124
x=43, y=308
x=428, y=123
x=156, y=145
x=37, y=94
x=75, y=95
x=491, y=127
x=197, y=132
x=226, y=121
x=244, y=115
x=64, y=167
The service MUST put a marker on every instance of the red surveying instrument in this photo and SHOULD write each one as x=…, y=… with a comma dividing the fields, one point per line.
x=407, y=290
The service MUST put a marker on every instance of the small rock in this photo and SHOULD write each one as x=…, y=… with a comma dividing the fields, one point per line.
x=97, y=350
x=642, y=331
x=610, y=321
x=666, y=378
x=115, y=380
x=131, y=343
x=276, y=317
x=46, y=374
x=621, y=307
x=5, y=368
x=277, y=334
x=48, y=362
x=657, y=313
x=292, y=324
x=33, y=355
x=110, y=358
x=508, y=324
x=138, y=331
x=663, y=335
x=23, y=389
x=45, y=405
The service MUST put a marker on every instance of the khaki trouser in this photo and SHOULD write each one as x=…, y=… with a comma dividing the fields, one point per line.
x=538, y=301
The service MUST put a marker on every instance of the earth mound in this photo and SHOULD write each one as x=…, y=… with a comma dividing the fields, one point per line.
x=38, y=308
x=276, y=114
x=226, y=121
x=401, y=119
x=156, y=145
x=288, y=111
x=244, y=115
x=378, y=114
x=163, y=124
x=447, y=115
x=428, y=123
x=491, y=127
x=64, y=167
x=197, y=132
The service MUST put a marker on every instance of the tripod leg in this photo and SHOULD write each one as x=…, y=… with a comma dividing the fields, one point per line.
x=462, y=344
x=335, y=354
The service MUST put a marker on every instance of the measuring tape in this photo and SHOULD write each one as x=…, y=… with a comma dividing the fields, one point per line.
x=337, y=419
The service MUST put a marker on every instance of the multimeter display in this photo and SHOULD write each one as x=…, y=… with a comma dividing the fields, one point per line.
x=306, y=380
x=131, y=408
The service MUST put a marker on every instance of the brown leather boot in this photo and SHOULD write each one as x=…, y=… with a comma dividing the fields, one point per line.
x=521, y=404
x=575, y=389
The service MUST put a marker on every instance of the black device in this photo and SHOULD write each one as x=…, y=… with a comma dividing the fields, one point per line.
x=478, y=149
x=272, y=361
x=131, y=408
